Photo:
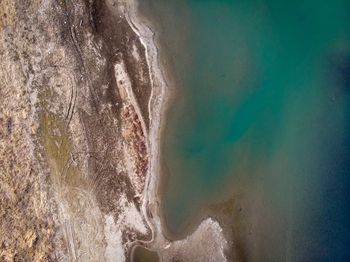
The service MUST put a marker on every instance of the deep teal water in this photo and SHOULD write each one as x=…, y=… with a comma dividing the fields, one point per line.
x=260, y=116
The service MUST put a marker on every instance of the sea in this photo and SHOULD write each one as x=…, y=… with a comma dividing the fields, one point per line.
x=258, y=123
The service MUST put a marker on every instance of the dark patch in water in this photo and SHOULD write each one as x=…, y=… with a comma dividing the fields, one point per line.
x=341, y=71
x=335, y=215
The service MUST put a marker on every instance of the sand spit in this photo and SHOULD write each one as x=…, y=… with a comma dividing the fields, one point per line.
x=204, y=244
x=208, y=238
x=155, y=109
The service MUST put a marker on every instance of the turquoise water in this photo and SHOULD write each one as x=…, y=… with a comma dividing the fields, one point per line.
x=260, y=116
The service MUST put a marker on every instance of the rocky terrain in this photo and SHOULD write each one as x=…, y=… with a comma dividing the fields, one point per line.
x=73, y=150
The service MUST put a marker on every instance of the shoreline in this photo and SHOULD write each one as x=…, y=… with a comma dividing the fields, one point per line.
x=147, y=37
x=208, y=234
x=157, y=107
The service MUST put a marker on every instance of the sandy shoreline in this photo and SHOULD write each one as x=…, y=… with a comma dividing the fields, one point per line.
x=160, y=95
x=156, y=109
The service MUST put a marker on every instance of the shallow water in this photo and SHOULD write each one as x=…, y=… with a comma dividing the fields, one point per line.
x=141, y=254
x=261, y=117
